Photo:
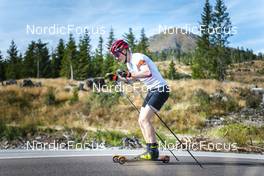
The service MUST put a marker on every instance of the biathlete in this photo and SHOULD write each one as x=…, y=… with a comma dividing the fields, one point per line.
x=142, y=68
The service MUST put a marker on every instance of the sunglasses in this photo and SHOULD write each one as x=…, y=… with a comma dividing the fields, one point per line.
x=117, y=53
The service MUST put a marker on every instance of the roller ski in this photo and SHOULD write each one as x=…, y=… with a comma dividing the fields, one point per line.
x=123, y=159
x=152, y=154
x=141, y=67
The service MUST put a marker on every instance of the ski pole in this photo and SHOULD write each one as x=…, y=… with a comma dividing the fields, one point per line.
x=160, y=138
x=176, y=137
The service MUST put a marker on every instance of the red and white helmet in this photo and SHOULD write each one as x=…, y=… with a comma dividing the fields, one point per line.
x=118, y=46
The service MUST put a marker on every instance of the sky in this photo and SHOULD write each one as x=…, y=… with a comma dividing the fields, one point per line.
x=27, y=20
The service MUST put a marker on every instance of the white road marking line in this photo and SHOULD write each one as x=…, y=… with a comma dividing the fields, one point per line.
x=80, y=154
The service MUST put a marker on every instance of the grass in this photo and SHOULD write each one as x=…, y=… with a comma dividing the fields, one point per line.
x=185, y=111
x=112, y=138
x=13, y=132
x=180, y=68
x=75, y=96
x=215, y=105
x=247, y=72
x=109, y=137
x=238, y=133
x=50, y=98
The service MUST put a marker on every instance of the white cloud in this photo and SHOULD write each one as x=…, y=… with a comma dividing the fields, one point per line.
x=121, y=15
x=232, y=4
x=256, y=41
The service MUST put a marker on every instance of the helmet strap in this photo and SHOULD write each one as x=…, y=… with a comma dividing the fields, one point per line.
x=126, y=56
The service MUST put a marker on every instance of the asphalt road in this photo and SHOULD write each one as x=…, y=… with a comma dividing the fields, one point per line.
x=103, y=165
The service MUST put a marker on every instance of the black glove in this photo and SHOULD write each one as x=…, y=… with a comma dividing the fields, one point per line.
x=123, y=73
x=111, y=76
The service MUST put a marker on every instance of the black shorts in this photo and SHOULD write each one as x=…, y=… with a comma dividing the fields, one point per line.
x=157, y=97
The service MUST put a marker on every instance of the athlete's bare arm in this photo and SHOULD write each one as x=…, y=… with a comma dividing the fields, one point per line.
x=143, y=73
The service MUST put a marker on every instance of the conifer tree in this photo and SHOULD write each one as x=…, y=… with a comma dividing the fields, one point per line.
x=36, y=61
x=43, y=60
x=222, y=26
x=109, y=63
x=211, y=56
x=13, y=62
x=69, y=59
x=143, y=43
x=130, y=39
x=98, y=60
x=202, y=60
x=84, y=68
x=2, y=67
x=172, y=74
x=30, y=61
x=57, y=57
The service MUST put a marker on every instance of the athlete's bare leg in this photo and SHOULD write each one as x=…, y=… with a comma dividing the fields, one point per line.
x=144, y=120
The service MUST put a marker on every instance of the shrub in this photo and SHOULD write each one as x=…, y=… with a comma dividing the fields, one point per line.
x=201, y=97
x=261, y=72
x=235, y=133
x=114, y=138
x=241, y=134
x=29, y=128
x=49, y=97
x=252, y=100
x=214, y=105
x=11, y=133
x=176, y=96
x=75, y=96
x=14, y=99
x=226, y=104
x=167, y=107
x=103, y=99
x=2, y=128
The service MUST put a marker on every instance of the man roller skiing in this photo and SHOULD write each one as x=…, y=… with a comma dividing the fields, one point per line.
x=141, y=67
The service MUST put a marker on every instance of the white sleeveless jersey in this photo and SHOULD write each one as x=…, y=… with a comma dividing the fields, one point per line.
x=155, y=80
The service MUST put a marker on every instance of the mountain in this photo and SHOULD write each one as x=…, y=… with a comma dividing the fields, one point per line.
x=173, y=39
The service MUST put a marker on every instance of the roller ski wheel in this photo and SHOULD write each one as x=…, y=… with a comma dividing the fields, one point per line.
x=115, y=158
x=122, y=160
x=164, y=159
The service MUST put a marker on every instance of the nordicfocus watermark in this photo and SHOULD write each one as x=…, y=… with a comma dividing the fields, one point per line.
x=199, y=146
x=72, y=145
x=196, y=29
x=69, y=145
x=127, y=88
x=56, y=29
